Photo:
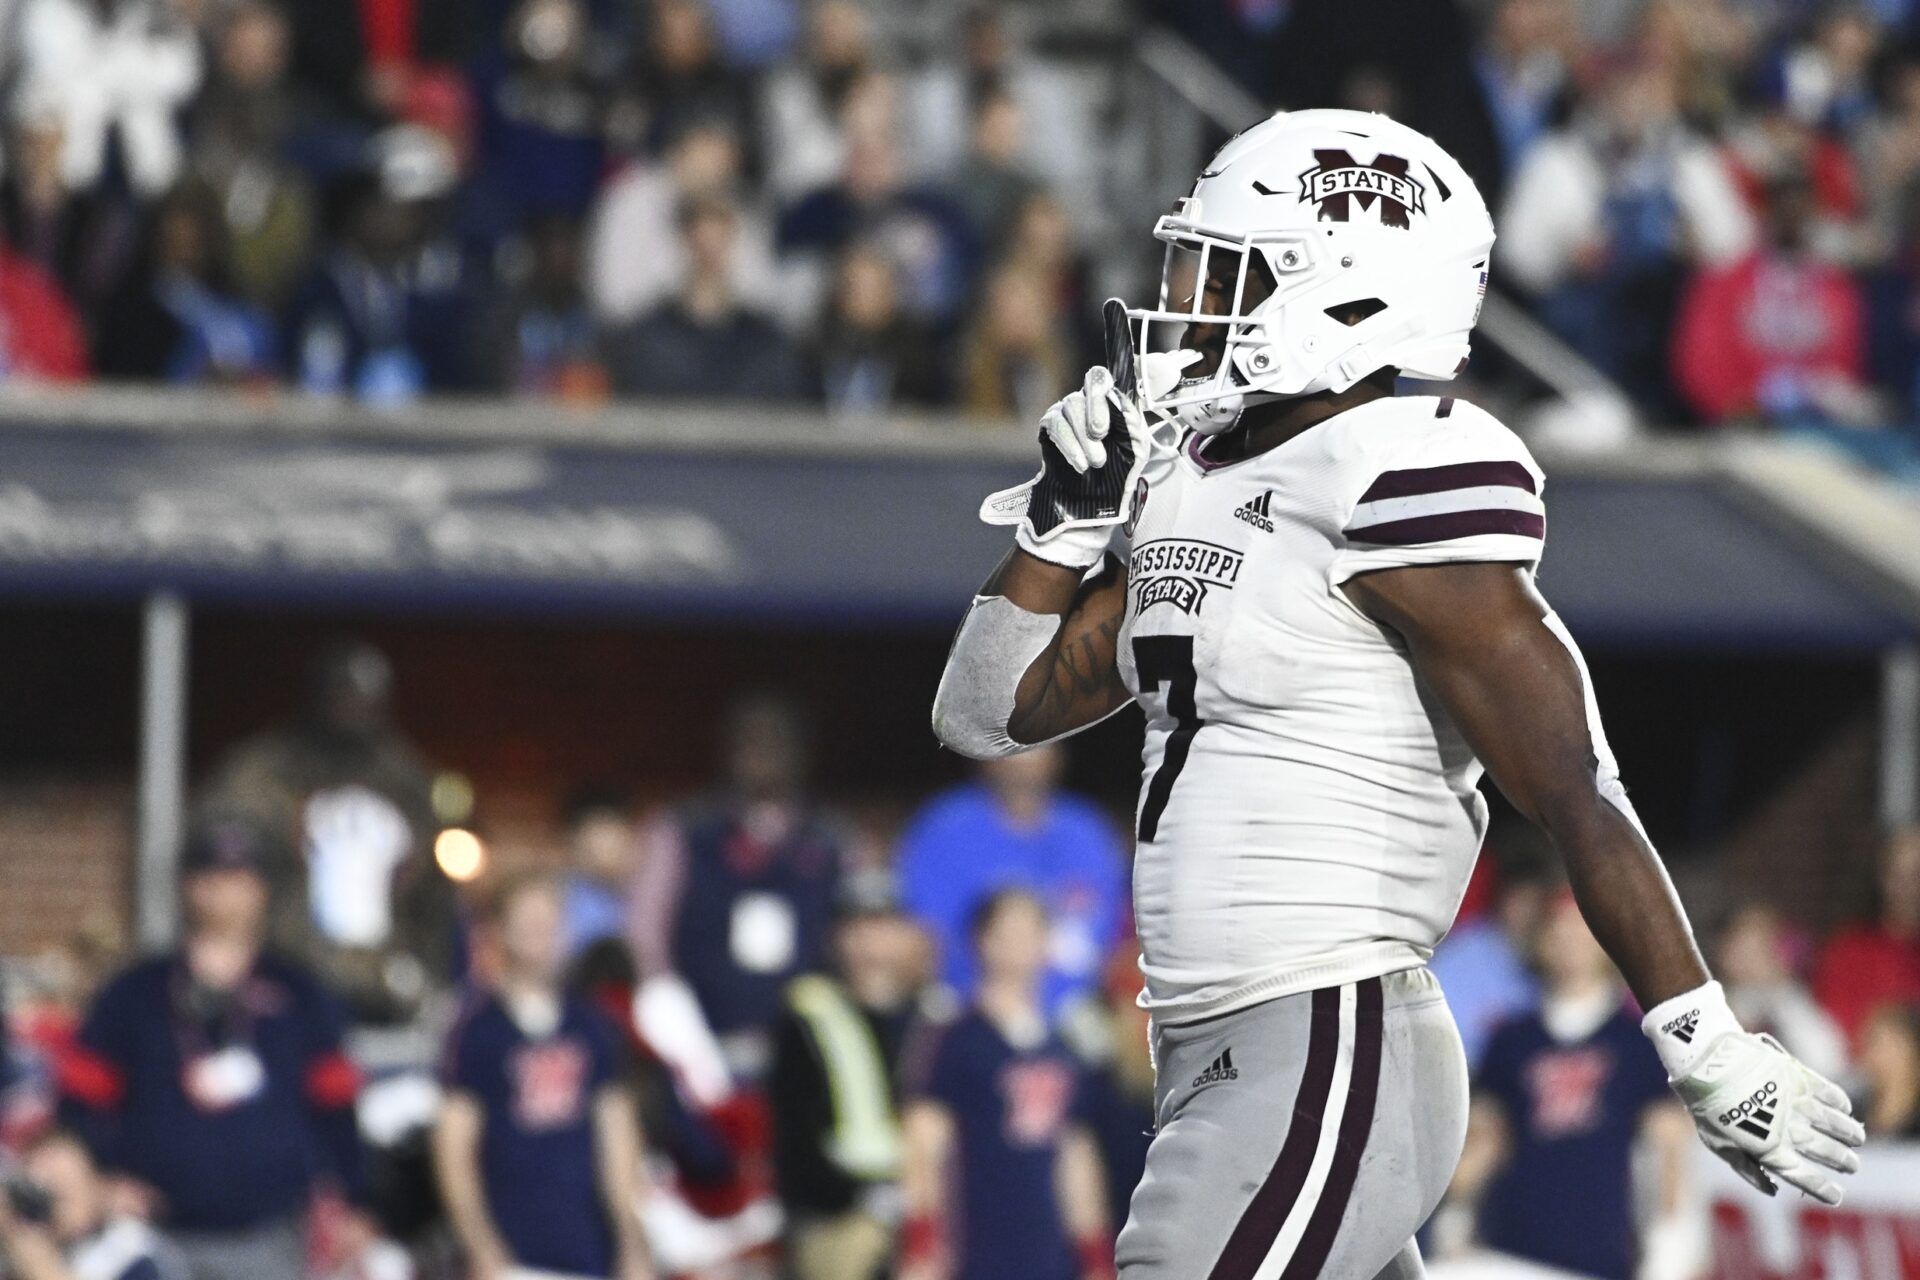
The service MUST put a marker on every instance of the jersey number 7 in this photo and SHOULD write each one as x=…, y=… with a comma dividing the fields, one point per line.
x=1167, y=660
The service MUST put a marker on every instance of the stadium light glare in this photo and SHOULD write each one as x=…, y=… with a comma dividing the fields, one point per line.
x=460, y=853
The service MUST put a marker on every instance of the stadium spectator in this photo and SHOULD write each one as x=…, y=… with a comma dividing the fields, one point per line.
x=1779, y=335
x=1604, y=213
x=541, y=140
x=211, y=1080
x=75, y=1233
x=1041, y=243
x=537, y=332
x=1013, y=828
x=871, y=357
x=736, y=890
x=1865, y=965
x=635, y=258
x=1753, y=964
x=1485, y=965
x=994, y=182
x=995, y=1113
x=1890, y=1072
x=1826, y=77
x=537, y=1150
x=602, y=852
x=1063, y=129
x=832, y=1089
x=708, y=342
x=805, y=104
x=679, y=81
x=1560, y=1098
x=344, y=803
x=241, y=129
x=933, y=246
x=1017, y=356
x=115, y=73
x=1524, y=66
x=177, y=321
x=40, y=336
x=383, y=317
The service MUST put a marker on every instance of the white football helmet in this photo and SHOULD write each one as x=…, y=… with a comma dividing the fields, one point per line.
x=1331, y=208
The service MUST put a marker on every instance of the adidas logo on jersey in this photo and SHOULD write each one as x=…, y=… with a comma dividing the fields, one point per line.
x=1221, y=1070
x=1257, y=512
x=1755, y=1115
x=1683, y=1027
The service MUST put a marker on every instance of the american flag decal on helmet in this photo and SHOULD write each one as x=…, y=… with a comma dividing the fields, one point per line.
x=1438, y=504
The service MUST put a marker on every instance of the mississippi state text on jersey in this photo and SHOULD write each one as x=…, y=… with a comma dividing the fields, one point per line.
x=1308, y=815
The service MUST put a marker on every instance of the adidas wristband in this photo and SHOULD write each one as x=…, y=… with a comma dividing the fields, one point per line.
x=1683, y=1028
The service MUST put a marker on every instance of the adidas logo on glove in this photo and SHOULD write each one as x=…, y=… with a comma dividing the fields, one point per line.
x=1683, y=1027
x=1221, y=1070
x=1755, y=1115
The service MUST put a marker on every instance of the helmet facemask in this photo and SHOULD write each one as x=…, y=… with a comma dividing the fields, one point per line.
x=1226, y=291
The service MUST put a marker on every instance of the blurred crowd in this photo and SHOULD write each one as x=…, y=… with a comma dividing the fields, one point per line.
x=884, y=206
x=740, y=1037
x=768, y=200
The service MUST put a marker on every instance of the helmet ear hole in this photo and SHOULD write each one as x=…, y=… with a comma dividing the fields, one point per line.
x=1352, y=313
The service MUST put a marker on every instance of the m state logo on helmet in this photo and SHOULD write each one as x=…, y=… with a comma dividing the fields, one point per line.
x=1374, y=240
x=1337, y=184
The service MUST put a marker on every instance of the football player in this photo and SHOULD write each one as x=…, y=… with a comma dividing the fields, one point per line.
x=1327, y=610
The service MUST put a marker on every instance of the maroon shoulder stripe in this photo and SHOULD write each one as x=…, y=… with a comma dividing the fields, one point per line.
x=1455, y=475
x=1356, y=1122
x=1259, y=1226
x=1449, y=525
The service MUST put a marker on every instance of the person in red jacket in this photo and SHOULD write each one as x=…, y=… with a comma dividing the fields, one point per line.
x=1865, y=966
x=1778, y=335
x=39, y=333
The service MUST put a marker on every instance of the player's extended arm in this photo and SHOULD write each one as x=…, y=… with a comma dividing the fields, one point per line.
x=456, y=1168
x=1480, y=639
x=1503, y=665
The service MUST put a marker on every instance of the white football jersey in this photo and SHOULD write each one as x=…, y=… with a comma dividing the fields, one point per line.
x=1308, y=814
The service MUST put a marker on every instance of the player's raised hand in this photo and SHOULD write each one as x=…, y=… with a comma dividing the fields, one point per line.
x=1094, y=444
x=1756, y=1106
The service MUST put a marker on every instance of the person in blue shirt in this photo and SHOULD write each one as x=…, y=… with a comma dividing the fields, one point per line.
x=996, y=1114
x=1562, y=1095
x=1013, y=828
x=603, y=847
x=537, y=1151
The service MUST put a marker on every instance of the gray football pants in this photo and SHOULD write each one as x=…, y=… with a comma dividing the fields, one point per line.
x=1308, y=1136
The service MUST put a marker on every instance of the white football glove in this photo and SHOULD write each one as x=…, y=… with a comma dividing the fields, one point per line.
x=1755, y=1105
x=1087, y=477
x=1081, y=436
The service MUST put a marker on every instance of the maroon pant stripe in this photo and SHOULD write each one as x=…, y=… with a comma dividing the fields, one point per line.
x=1254, y=1234
x=1355, y=1123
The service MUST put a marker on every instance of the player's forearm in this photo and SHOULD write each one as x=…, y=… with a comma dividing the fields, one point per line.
x=1034, y=659
x=1628, y=901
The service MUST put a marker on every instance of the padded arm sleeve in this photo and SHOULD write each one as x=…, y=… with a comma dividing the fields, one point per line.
x=996, y=643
